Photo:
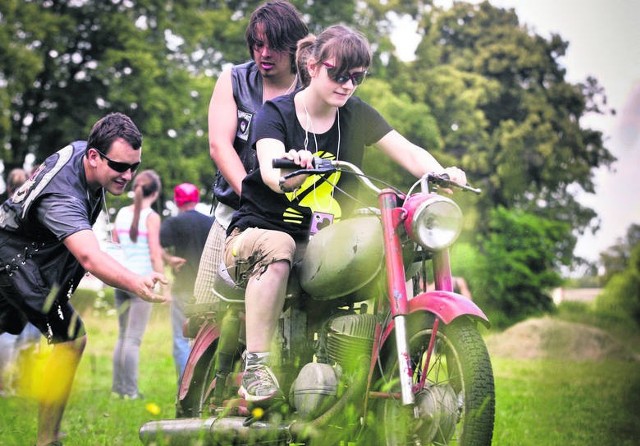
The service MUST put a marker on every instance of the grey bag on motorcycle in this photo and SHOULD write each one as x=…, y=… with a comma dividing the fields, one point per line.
x=342, y=258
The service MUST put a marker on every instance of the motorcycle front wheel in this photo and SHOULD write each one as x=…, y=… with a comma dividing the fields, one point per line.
x=457, y=404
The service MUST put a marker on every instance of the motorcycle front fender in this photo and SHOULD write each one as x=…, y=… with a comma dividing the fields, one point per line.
x=447, y=305
x=207, y=334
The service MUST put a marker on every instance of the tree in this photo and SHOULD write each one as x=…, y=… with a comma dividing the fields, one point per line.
x=506, y=114
x=505, y=110
x=621, y=296
x=66, y=63
x=617, y=258
x=519, y=266
x=484, y=93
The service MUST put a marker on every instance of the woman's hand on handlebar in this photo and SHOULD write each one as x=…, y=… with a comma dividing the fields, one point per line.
x=302, y=158
x=456, y=175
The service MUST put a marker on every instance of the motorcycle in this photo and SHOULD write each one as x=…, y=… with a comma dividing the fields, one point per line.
x=365, y=353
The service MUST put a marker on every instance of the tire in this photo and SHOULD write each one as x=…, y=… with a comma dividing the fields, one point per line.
x=196, y=402
x=459, y=386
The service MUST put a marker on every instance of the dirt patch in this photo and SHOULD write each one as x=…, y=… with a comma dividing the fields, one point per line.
x=551, y=338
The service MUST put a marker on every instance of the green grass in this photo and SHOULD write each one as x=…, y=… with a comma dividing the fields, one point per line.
x=92, y=417
x=539, y=402
x=553, y=402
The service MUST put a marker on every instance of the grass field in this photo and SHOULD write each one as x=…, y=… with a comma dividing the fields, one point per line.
x=539, y=401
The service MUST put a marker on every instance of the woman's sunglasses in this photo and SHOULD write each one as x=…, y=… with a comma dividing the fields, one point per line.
x=356, y=78
x=117, y=165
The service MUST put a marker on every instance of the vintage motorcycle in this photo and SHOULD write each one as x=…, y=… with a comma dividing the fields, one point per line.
x=366, y=354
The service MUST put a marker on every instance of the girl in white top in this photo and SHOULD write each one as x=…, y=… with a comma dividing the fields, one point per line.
x=137, y=230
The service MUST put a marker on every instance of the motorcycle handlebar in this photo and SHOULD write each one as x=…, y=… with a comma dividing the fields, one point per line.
x=283, y=163
x=443, y=180
x=321, y=165
x=318, y=163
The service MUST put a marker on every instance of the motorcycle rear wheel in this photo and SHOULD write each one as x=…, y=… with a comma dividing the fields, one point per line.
x=196, y=401
x=458, y=405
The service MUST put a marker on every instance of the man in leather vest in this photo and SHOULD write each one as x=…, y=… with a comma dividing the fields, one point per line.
x=272, y=35
x=47, y=244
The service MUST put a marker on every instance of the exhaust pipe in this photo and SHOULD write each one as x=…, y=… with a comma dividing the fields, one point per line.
x=227, y=430
x=210, y=431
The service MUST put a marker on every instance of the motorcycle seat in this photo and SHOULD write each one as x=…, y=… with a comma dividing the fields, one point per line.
x=228, y=291
x=225, y=288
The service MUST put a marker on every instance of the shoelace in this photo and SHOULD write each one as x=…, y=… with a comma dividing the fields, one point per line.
x=263, y=379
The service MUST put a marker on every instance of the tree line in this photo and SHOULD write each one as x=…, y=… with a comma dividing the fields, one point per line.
x=484, y=92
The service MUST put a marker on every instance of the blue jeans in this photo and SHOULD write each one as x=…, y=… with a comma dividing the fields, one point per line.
x=133, y=316
x=7, y=350
x=181, y=346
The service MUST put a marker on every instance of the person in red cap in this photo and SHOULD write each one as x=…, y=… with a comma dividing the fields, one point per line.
x=183, y=237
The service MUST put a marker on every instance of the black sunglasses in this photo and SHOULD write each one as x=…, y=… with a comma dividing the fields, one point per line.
x=356, y=78
x=117, y=165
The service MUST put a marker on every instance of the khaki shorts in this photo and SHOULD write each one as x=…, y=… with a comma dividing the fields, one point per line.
x=250, y=252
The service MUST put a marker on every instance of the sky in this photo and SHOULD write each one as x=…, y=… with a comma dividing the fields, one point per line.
x=604, y=42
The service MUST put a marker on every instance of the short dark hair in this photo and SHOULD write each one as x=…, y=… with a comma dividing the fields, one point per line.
x=111, y=127
x=283, y=27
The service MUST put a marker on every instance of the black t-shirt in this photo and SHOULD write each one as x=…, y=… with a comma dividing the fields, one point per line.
x=186, y=233
x=359, y=125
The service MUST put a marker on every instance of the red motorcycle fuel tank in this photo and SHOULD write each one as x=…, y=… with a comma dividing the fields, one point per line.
x=342, y=258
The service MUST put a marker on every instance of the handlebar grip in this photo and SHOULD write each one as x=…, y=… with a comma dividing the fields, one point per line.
x=284, y=163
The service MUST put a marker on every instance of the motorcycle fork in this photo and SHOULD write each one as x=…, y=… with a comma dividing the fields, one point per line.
x=392, y=217
x=442, y=281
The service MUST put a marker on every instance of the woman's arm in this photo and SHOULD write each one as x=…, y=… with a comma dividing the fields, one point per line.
x=269, y=149
x=115, y=238
x=155, y=249
x=415, y=159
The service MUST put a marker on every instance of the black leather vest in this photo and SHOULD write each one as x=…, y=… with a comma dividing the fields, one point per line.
x=246, y=82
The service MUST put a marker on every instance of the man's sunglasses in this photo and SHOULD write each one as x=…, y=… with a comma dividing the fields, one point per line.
x=117, y=165
x=356, y=78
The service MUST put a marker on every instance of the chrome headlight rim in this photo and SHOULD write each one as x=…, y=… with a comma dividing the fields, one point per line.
x=436, y=223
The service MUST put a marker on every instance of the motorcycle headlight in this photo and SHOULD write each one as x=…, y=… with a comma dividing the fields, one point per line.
x=435, y=222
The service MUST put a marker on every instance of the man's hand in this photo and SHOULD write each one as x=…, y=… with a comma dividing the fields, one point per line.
x=148, y=287
x=175, y=262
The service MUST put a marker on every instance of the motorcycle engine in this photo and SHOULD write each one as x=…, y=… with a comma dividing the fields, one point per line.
x=347, y=341
x=314, y=390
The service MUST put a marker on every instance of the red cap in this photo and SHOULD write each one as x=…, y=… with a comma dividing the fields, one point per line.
x=185, y=193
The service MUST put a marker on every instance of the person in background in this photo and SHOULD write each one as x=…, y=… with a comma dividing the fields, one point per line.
x=323, y=119
x=15, y=179
x=459, y=286
x=183, y=237
x=47, y=245
x=272, y=34
x=9, y=343
x=137, y=231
